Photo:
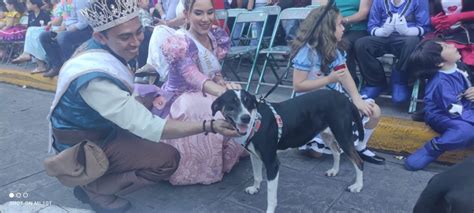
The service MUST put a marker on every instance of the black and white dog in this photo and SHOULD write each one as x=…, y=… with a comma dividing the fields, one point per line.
x=289, y=124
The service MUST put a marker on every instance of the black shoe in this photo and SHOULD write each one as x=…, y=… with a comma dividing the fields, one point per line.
x=418, y=116
x=371, y=159
x=81, y=195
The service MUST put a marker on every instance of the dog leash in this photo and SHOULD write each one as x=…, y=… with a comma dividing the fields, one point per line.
x=330, y=4
x=278, y=120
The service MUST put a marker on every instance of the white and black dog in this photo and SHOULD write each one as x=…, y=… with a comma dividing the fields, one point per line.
x=289, y=124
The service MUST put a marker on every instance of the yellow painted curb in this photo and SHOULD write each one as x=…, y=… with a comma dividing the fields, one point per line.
x=405, y=136
x=394, y=135
x=23, y=78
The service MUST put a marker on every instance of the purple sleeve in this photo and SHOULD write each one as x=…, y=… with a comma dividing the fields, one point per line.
x=222, y=40
x=444, y=96
x=423, y=15
x=377, y=16
x=181, y=54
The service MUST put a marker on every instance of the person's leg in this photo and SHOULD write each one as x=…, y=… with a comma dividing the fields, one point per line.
x=455, y=134
x=52, y=49
x=351, y=37
x=133, y=164
x=401, y=47
x=367, y=50
x=69, y=41
x=369, y=126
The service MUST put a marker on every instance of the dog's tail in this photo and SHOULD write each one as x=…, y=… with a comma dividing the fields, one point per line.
x=358, y=121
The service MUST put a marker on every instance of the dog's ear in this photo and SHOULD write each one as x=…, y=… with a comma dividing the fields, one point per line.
x=217, y=105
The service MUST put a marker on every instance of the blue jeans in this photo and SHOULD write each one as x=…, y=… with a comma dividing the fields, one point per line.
x=60, y=47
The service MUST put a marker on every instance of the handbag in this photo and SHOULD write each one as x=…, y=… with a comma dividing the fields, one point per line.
x=78, y=165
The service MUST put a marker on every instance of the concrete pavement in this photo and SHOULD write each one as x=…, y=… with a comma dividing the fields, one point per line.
x=396, y=133
x=303, y=186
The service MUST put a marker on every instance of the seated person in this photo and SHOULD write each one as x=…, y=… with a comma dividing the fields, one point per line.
x=395, y=26
x=316, y=69
x=37, y=21
x=448, y=101
x=61, y=43
x=453, y=21
x=11, y=30
x=194, y=81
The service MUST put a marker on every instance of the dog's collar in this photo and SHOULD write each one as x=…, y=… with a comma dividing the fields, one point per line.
x=255, y=122
x=278, y=120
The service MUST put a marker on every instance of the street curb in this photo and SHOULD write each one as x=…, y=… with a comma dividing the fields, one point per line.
x=393, y=135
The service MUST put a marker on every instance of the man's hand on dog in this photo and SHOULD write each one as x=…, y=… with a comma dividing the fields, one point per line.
x=225, y=128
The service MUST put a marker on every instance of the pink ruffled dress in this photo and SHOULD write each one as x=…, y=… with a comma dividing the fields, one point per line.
x=204, y=158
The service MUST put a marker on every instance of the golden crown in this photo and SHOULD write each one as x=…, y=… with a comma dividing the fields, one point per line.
x=105, y=14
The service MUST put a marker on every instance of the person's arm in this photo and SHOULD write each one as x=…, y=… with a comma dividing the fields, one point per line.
x=360, y=15
x=160, y=10
x=301, y=83
x=240, y=3
x=10, y=22
x=121, y=108
x=375, y=25
x=176, y=22
x=422, y=17
x=349, y=85
x=250, y=4
x=469, y=94
x=444, y=96
x=81, y=20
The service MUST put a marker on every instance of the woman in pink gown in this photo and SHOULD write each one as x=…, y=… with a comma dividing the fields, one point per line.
x=194, y=81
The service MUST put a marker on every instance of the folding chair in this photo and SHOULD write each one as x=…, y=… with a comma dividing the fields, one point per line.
x=272, y=11
x=244, y=48
x=283, y=50
x=222, y=15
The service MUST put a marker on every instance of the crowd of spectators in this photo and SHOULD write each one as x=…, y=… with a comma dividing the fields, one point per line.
x=53, y=29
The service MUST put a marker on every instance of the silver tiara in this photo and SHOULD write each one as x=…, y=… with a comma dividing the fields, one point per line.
x=102, y=16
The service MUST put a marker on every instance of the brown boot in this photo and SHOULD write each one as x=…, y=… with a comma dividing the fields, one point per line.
x=102, y=203
x=52, y=72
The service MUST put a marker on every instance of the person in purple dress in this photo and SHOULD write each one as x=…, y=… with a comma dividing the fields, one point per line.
x=193, y=82
x=448, y=101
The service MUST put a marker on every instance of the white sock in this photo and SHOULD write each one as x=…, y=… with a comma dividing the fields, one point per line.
x=362, y=145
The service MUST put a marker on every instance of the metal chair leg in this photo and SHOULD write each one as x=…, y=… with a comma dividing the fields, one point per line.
x=414, y=97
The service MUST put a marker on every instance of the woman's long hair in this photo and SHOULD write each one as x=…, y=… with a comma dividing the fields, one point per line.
x=321, y=38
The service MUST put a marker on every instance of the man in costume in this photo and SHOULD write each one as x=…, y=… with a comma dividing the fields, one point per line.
x=94, y=101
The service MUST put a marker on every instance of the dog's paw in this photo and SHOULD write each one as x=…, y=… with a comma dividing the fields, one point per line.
x=251, y=190
x=355, y=188
x=332, y=172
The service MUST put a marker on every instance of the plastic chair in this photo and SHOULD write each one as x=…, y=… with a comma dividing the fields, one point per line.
x=244, y=48
x=283, y=50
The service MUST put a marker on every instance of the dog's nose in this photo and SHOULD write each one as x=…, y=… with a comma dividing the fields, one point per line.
x=245, y=119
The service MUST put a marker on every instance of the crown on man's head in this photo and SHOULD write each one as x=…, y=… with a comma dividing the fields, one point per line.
x=105, y=14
